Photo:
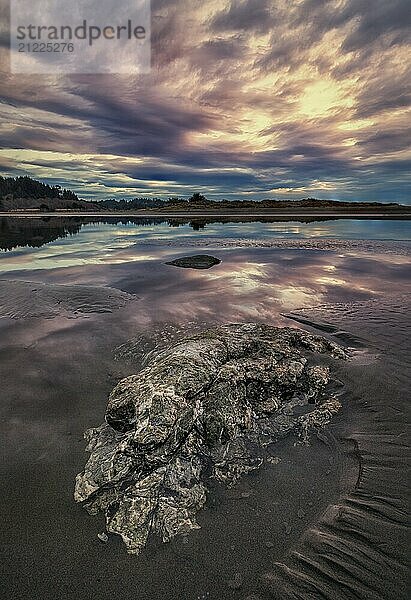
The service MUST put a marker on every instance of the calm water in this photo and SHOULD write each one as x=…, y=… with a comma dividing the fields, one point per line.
x=62, y=242
x=363, y=260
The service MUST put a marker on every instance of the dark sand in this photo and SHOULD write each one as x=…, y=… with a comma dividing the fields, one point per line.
x=327, y=521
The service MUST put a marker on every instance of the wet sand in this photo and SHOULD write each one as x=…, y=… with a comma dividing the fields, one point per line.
x=327, y=521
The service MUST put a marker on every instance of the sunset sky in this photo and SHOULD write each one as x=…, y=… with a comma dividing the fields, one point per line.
x=246, y=99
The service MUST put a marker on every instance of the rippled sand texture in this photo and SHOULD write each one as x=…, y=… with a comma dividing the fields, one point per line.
x=25, y=299
x=301, y=244
x=357, y=550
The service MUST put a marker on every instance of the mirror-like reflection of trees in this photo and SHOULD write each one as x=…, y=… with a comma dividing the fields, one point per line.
x=18, y=232
x=15, y=232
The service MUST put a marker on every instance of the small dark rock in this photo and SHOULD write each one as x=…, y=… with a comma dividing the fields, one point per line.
x=197, y=261
x=287, y=528
x=236, y=582
x=274, y=460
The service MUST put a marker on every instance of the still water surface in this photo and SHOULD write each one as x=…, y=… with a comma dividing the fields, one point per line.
x=62, y=242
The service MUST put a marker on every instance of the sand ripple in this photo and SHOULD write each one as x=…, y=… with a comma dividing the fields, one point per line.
x=24, y=299
x=381, y=247
x=358, y=549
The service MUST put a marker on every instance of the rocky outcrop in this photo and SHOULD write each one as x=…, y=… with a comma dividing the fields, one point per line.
x=208, y=406
x=198, y=261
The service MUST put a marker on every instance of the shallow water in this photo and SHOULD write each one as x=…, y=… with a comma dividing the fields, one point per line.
x=327, y=521
x=52, y=241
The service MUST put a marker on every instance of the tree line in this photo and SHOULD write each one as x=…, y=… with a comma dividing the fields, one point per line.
x=25, y=187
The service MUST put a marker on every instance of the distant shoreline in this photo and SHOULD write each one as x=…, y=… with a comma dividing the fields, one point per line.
x=340, y=214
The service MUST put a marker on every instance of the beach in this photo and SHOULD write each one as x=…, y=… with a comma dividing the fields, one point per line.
x=325, y=520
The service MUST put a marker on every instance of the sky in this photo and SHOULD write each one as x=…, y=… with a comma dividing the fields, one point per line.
x=245, y=99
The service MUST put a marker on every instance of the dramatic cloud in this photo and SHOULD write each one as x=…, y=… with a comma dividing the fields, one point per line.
x=246, y=98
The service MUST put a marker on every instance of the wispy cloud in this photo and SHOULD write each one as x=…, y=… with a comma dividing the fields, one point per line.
x=245, y=99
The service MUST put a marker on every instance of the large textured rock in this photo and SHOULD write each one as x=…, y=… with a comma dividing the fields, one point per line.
x=206, y=406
